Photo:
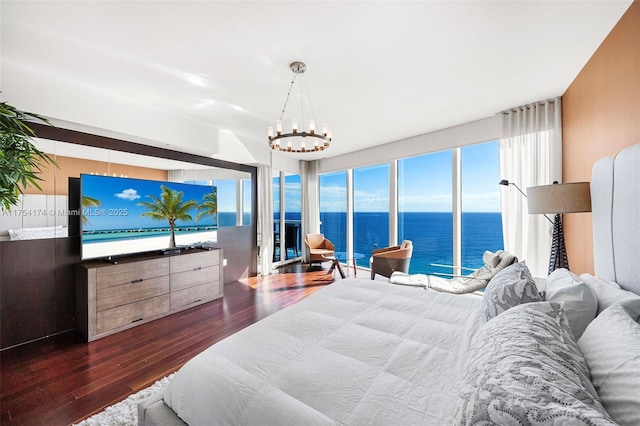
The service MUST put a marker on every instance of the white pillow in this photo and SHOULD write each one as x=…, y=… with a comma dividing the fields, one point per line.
x=579, y=301
x=588, y=277
x=607, y=294
x=611, y=347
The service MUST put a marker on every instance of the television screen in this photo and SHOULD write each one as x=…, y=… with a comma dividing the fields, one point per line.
x=123, y=215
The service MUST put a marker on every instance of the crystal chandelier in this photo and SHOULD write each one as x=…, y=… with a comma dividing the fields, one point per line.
x=297, y=141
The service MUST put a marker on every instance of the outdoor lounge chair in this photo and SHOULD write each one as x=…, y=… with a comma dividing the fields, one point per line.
x=494, y=262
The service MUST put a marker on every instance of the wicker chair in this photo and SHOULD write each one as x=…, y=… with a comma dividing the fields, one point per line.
x=386, y=260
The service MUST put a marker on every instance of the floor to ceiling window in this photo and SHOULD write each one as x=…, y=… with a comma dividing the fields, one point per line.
x=287, y=209
x=425, y=210
x=481, y=217
x=427, y=196
x=333, y=208
x=371, y=210
x=292, y=215
x=276, y=216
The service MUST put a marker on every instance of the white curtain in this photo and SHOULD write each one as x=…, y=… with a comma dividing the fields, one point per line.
x=175, y=175
x=310, y=202
x=530, y=155
x=265, y=218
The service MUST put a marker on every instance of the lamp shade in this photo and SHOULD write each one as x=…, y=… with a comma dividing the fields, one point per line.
x=559, y=198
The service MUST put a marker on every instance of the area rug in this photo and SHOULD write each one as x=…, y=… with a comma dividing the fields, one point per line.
x=125, y=413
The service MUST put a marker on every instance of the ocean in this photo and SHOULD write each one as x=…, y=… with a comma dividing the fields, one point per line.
x=430, y=233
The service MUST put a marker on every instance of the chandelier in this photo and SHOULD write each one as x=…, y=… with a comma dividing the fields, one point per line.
x=297, y=141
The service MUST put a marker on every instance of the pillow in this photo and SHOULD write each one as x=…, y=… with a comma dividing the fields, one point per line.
x=607, y=294
x=510, y=287
x=611, y=346
x=525, y=368
x=490, y=258
x=580, y=304
x=588, y=277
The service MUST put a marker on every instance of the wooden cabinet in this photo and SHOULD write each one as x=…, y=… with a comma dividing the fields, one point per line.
x=114, y=297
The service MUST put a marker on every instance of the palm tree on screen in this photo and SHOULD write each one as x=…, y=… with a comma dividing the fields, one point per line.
x=168, y=207
x=87, y=202
x=209, y=205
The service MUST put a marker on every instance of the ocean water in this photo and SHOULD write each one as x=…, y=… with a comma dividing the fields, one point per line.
x=431, y=234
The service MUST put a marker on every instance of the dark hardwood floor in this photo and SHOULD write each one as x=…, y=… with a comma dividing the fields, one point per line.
x=62, y=380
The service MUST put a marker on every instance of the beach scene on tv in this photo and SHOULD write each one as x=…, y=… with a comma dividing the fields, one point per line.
x=124, y=215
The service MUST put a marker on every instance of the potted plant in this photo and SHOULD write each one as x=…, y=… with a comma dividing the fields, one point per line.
x=20, y=160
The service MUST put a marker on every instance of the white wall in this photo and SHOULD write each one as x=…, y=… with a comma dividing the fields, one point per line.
x=465, y=134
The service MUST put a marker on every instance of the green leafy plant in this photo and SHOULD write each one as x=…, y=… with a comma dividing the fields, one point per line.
x=20, y=160
x=209, y=205
x=168, y=207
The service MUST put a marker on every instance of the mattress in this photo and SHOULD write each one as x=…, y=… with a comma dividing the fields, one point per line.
x=357, y=352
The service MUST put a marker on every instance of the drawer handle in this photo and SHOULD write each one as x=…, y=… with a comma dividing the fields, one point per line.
x=136, y=320
x=139, y=280
x=196, y=301
x=198, y=268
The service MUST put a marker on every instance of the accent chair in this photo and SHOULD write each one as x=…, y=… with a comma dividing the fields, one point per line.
x=386, y=260
x=319, y=247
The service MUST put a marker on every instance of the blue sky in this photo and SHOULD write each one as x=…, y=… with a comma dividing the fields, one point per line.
x=119, y=199
x=424, y=183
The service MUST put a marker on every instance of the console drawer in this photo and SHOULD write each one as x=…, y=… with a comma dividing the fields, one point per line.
x=194, y=295
x=132, y=312
x=193, y=278
x=113, y=296
x=125, y=273
x=194, y=261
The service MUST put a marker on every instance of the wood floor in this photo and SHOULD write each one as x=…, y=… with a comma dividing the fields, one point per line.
x=62, y=380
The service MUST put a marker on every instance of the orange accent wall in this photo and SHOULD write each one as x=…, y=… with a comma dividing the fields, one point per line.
x=600, y=116
x=55, y=179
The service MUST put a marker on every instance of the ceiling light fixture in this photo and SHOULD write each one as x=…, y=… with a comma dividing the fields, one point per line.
x=296, y=141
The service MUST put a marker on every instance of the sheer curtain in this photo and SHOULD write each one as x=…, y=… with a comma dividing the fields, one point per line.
x=530, y=155
x=310, y=202
x=265, y=218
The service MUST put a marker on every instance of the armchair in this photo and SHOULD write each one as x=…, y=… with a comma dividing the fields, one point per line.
x=386, y=260
x=319, y=247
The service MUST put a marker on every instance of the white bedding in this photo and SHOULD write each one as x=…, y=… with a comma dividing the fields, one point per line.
x=356, y=352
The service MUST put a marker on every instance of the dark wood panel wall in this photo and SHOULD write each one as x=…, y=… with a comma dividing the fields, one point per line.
x=37, y=277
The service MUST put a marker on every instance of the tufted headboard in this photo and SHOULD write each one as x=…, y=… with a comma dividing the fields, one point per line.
x=615, y=201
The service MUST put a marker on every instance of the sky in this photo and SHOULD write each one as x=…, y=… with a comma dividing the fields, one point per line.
x=424, y=183
x=119, y=198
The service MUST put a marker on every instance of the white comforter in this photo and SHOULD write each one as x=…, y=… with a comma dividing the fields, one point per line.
x=356, y=352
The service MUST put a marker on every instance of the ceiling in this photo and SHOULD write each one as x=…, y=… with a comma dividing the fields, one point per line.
x=209, y=77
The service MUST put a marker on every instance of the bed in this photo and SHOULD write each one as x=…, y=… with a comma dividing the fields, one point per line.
x=362, y=352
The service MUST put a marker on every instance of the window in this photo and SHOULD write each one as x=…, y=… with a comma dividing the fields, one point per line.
x=371, y=210
x=292, y=214
x=226, y=190
x=276, y=216
x=333, y=209
x=425, y=213
x=481, y=217
x=246, y=202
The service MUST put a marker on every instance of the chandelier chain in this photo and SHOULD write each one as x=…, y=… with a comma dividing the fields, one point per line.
x=284, y=107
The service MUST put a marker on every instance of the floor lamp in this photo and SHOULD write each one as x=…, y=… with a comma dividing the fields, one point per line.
x=559, y=199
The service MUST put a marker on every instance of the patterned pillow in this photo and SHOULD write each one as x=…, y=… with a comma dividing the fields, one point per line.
x=525, y=368
x=508, y=288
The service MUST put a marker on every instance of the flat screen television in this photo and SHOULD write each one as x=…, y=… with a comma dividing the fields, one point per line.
x=121, y=216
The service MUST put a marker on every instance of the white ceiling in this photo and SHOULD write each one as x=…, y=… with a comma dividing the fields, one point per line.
x=209, y=77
